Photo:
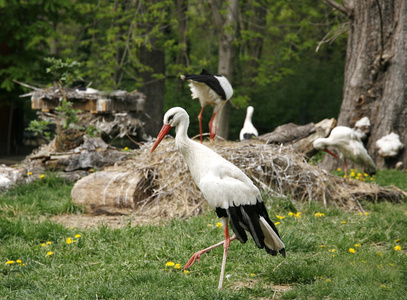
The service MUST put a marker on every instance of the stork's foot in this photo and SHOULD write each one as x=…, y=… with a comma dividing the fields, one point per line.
x=194, y=257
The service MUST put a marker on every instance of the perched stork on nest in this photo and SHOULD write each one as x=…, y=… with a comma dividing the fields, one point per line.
x=349, y=145
x=227, y=189
x=210, y=89
x=248, y=131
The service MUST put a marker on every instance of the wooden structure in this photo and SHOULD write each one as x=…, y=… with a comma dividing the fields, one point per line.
x=47, y=100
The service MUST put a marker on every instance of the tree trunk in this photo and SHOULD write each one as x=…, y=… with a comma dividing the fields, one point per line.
x=227, y=27
x=153, y=88
x=376, y=73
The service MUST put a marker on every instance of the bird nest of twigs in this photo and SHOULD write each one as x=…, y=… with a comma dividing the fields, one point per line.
x=278, y=171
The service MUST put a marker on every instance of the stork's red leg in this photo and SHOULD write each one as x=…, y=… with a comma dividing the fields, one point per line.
x=225, y=254
x=212, y=129
x=198, y=254
x=200, y=122
x=346, y=168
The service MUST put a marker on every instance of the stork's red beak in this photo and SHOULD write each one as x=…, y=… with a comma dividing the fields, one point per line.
x=330, y=152
x=163, y=132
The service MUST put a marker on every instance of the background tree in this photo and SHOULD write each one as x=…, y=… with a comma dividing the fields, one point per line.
x=376, y=70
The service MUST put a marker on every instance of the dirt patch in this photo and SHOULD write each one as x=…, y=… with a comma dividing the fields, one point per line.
x=84, y=221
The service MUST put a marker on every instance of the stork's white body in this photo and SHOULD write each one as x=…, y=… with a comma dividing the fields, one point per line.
x=349, y=145
x=248, y=131
x=389, y=145
x=227, y=189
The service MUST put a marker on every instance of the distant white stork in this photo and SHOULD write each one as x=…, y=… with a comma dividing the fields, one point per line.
x=349, y=145
x=227, y=189
x=210, y=89
x=248, y=131
x=389, y=145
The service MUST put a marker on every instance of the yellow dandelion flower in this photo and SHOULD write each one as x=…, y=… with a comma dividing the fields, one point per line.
x=170, y=264
x=77, y=235
x=328, y=280
x=366, y=213
x=322, y=246
x=351, y=250
x=29, y=173
x=18, y=261
x=126, y=148
x=10, y=262
x=252, y=274
x=318, y=214
x=357, y=245
x=383, y=286
x=352, y=174
x=331, y=250
x=360, y=214
x=177, y=266
x=297, y=215
x=397, y=248
x=291, y=214
x=333, y=255
x=43, y=245
x=365, y=174
x=69, y=241
x=186, y=271
x=49, y=243
x=280, y=217
x=219, y=225
x=398, y=240
x=277, y=223
x=343, y=222
x=42, y=176
x=339, y=169
x=49, y=253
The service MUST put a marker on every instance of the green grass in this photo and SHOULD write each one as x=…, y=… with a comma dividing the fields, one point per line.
x=130, y=263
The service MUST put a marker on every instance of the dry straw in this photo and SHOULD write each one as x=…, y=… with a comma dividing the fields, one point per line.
x=276, y=170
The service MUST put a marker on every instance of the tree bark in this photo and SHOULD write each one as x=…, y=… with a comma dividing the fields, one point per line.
x=376, y=74
x=227, y=27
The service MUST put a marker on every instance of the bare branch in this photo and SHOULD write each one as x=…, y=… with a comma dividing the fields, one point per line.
x=339, y=7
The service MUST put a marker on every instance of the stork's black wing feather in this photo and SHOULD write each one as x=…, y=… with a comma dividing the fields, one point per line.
x=208, y=79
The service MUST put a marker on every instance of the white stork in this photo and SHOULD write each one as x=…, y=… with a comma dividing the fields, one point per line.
x=248, y=131
x=210, y=89
x=227, y=189
x=349, y=145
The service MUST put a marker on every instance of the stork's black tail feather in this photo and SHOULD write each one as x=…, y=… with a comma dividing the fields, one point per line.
x=254, y=219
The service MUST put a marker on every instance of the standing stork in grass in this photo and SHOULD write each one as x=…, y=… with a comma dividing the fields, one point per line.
x=248, y=131
x=350, y=147
x=210, y=89
x=233, y=196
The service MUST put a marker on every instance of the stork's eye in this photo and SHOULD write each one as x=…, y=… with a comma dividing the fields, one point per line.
x=170, y=118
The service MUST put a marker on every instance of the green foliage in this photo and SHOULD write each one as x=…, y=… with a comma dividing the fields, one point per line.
x=40, y=128
x=276, y=69
x=65, y=72
x=67, y=114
